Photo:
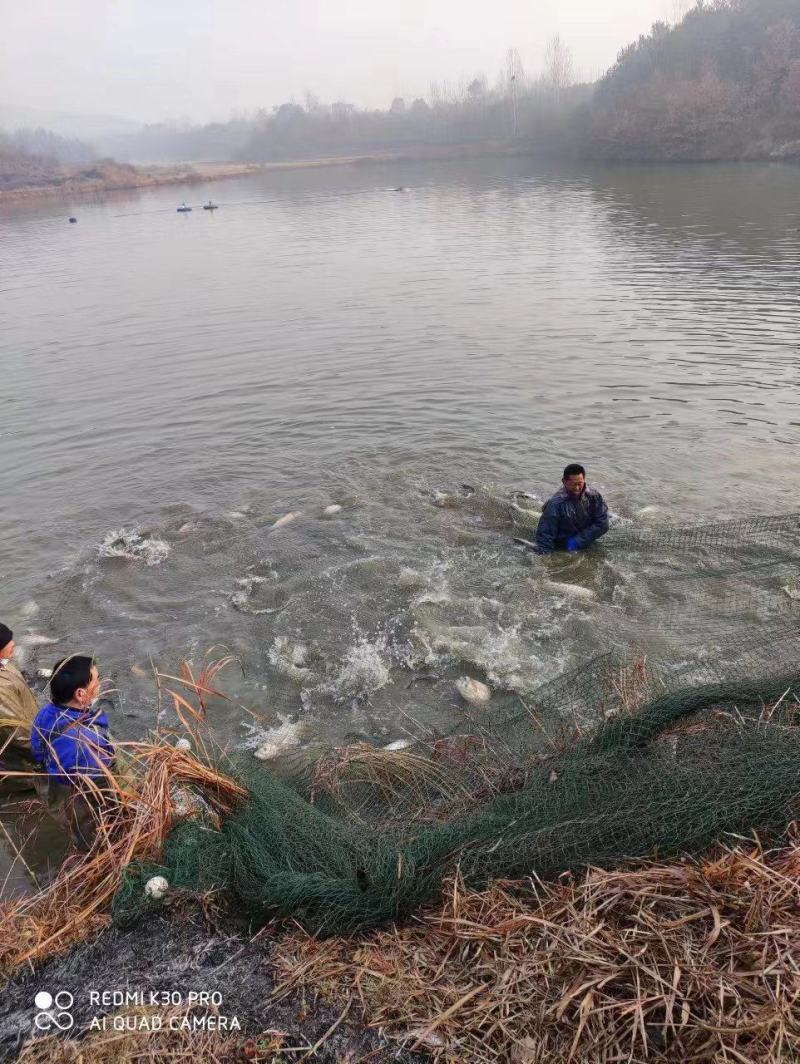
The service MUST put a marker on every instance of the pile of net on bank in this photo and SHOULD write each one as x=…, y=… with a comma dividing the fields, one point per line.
x=362, y=837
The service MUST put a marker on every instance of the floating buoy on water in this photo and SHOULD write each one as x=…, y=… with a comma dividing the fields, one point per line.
x=156, y=888
x=473, y=691
x=73, y=220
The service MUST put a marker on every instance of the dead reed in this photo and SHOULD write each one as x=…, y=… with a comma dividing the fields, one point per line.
x=692, y=960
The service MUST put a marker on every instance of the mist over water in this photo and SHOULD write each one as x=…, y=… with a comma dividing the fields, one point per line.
x=174, y=385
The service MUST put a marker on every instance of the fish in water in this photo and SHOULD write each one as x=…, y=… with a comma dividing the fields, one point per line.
x=473, y=691
x=649, y=512
x=570, y=590
x=286, y=519
x=280, y=741
x=334, y=508
x=524, y=542
x=268, y=752
x=410, y=580
x=34, y=639
x=445, y=501
x=423, y=677
x=525, y=518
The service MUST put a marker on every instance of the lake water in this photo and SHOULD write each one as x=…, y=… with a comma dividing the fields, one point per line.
x=321, y=339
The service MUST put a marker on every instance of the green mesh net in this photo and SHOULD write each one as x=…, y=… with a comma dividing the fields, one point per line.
x=634, y=755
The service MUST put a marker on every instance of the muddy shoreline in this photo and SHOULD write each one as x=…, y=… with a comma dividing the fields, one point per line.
x=117, y=178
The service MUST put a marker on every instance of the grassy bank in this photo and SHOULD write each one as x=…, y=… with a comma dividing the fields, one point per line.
x=670, y=960
x=110, y=176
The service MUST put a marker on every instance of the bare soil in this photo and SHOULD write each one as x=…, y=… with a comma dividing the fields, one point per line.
x=184, y=953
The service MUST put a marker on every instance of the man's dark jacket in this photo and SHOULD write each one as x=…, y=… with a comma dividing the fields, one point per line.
x=583, y=519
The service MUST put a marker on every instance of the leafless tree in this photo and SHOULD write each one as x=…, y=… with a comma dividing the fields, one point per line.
x=514, y=83
x=558, y=66
x=676, y=10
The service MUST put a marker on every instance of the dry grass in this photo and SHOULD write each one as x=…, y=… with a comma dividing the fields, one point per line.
x=389, y=774
x=158, y=1046
x=683, y=961
x=632, y=684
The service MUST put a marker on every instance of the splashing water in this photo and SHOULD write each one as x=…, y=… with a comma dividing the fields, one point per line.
x=135, y=546
x=365, y=670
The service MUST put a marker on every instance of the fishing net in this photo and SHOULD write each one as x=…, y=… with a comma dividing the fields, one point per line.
x=632, y=755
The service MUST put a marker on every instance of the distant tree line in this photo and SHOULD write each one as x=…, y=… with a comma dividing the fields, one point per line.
x=715, y=79
x=514, y=106
x=30, y=156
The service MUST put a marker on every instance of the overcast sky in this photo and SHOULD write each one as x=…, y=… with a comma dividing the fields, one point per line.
x=203, y=59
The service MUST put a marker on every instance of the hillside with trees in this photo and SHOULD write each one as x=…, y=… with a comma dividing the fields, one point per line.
x=724, y=83
x=30, y=157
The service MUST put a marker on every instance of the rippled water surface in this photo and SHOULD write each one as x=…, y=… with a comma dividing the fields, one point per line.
x=173, y=384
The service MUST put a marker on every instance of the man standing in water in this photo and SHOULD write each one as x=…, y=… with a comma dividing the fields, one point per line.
x=574, y=517
x=70, y=741
x=18, y=708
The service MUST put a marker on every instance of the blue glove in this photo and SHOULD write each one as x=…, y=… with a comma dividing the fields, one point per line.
x=572, y=544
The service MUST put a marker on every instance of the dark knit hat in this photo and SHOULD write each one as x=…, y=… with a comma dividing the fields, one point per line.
x=6, y=635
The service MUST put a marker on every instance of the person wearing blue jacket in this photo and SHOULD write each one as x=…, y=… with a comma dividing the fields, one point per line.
x=70, y=742
x=574, y=517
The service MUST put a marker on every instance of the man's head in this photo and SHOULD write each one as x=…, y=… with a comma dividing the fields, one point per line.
x=75, y=682
x=574, y=480
x=7, y=644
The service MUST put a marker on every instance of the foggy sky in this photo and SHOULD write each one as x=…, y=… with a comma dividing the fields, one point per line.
x=149, y=60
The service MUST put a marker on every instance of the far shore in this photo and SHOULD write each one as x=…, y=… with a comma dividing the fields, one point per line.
x=119, y=177
x=113, y=177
